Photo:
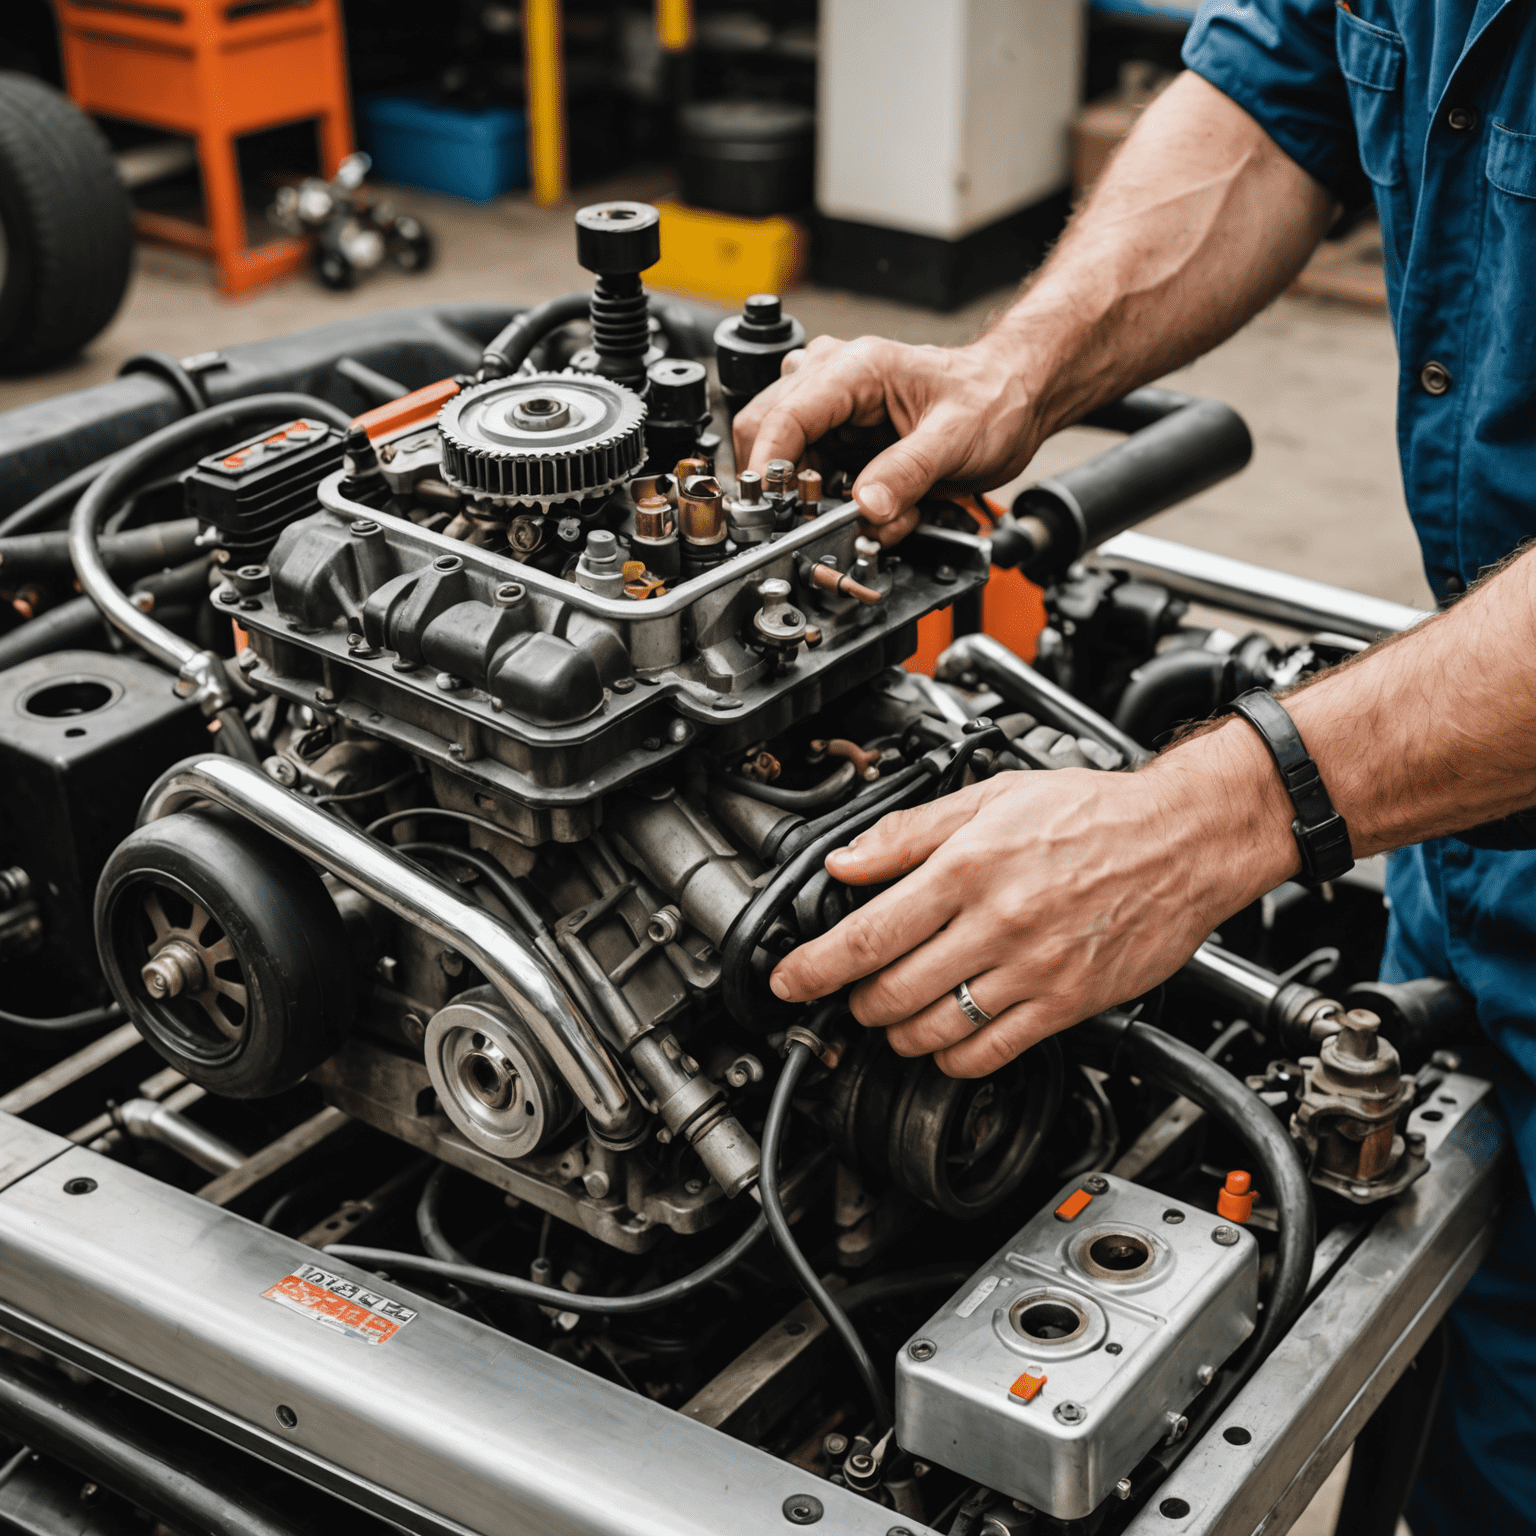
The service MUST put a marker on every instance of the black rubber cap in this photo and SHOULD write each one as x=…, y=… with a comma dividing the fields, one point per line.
x=677, y=390
x=618, y=238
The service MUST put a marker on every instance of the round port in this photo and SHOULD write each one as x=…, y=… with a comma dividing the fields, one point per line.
x=1047, y=1319
x=1121, y=1252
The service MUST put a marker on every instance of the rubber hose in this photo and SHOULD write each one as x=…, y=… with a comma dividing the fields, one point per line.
x=908, y=1282
x=1169, y=1062
x=746, y=1002
x=832, y=788
x=429, y=1226
x=510, y=348
x=795, y=1063
x=1170, y=688
x=64, y=1023
x=163, y=366
x=41, y=555
x=552, y=1296
x=57, y=499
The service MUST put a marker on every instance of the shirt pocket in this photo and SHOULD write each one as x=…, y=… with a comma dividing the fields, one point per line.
x=1371, y=60
x=1512, y=161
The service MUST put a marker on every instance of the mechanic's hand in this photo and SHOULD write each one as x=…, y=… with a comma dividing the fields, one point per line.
x=1053, y=894
x=964, y=417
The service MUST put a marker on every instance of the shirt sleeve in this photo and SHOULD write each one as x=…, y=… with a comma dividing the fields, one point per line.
x=1278, y=61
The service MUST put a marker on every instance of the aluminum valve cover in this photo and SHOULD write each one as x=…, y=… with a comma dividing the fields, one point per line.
x=1076, y=1349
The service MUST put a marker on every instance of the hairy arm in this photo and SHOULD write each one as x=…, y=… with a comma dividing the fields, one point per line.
x=1199, y=221
x=1059, y=894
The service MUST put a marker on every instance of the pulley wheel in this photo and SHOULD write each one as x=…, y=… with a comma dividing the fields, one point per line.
x=226, y=951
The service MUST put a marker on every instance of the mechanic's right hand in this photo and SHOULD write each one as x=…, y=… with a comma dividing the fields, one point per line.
x=964, y=415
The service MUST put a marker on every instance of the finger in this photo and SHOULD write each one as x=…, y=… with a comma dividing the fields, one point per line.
x=926, y=976
x=847, y=385
x=899, y=477
x=878, y=933
x=1010, y=1034
x=897, y=529
x=904, y=839
x=938, y=1021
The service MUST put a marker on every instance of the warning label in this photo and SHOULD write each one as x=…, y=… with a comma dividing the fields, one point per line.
x=343, y=1305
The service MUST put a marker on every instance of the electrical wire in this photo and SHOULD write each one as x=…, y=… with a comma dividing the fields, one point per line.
x=364, y=794
x=833, y=787
x=552, y=1296
x=795, y=1063
x=107, y=1014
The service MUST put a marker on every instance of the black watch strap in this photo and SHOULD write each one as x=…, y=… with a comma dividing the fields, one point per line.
x=1320, y=832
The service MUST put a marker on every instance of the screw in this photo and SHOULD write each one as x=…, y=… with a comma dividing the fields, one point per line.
x=623, y=685
x=922, y=1349
x=835, y=1445
x=1226, y=1236
x=1113, y=1349
x=286, y=1416
x=324, y=696
x=694, y=1186
x=1096, y=1184
x=1070, y=1413
x=1173, y=1217
x=945, y=573
x=79, y=1186
x=1123, y=1488
x=802, y=1509
x=1205, y=1375
x=447, y=682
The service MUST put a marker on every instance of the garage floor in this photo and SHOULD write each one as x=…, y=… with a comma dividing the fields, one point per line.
x=1315, y=380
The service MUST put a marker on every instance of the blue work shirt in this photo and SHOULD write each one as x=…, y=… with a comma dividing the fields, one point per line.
x=1430, y=106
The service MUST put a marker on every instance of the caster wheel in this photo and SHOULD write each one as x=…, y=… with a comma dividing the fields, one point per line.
x=226, y=951
x=335, y=271
x=410, y=245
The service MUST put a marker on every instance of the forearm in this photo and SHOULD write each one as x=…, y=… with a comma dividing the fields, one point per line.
x=1430, y=733
x=1198, y=222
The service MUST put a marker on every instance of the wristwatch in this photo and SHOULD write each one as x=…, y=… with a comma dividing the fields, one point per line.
x=1320, y=832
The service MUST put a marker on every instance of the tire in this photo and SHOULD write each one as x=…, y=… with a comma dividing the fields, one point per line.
x=65, y=223
x=334, y=270
x=269, y=993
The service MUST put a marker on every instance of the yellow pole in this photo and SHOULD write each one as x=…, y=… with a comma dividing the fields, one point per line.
x=545, y=65
x=674, y=24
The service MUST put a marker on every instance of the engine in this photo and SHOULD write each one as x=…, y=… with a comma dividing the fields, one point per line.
x=538, y=721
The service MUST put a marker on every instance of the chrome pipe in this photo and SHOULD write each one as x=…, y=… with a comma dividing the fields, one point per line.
x=507, y=959
x=1254, y=590
x=1240, y=981
x=1020, y=684
x=148, y=1120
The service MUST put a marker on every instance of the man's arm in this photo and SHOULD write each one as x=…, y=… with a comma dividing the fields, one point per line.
x=1199, y=221
x=1097, y=886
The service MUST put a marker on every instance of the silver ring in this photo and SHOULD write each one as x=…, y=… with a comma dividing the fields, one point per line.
x=970, y=1007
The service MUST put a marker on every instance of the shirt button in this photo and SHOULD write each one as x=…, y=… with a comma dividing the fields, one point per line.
x=1435, y=377
x=1461, y=119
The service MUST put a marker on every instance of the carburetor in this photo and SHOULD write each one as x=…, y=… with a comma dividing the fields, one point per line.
x=1076, y=1348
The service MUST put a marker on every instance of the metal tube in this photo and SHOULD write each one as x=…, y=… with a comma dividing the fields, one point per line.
x=437, y=906
x=147, y=1120
x=1020, y=684
x=1239, y=981
x=1255, y=591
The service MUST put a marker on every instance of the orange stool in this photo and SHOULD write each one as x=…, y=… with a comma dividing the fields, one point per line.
x=215, y=69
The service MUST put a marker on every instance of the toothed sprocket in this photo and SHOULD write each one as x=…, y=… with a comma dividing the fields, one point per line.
x=543, y=438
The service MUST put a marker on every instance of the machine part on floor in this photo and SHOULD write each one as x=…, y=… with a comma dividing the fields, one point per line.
x=66, y=229
x=543, y=730
x=1016, y=1382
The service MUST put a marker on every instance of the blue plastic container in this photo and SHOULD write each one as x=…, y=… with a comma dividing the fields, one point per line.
x=475, y=155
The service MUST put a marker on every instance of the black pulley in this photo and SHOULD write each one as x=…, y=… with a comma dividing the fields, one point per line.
x=226, y=951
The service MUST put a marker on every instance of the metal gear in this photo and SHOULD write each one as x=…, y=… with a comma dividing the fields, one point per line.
x=542, y=438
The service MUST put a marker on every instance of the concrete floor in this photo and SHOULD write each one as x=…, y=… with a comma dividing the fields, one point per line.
x=1315, y=381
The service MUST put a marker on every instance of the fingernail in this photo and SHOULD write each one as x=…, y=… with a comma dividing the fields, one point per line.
x=780, y=986
x=877, y=502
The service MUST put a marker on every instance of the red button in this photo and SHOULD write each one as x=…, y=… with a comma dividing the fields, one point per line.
x=1074, y=1205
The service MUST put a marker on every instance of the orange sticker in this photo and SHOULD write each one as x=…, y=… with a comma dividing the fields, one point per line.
x=1027, y=1388
x=1074, y=1205
x=341, y=1305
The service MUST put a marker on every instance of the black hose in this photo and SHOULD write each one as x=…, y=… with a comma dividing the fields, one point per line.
x=832, y=788
x=552, y=1296
x=1173, y=687
x=748, y=1002
x=64, y=1023
x=163, y=366
x=375, y=387
x=429, y=1226
x=39, y=555
x=795, y=1063
x=57, y=499
x=511, y=346
x=492, y=873
x=60, y=1419
x=907, y=1282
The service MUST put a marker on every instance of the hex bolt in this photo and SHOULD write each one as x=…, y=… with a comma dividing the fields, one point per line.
x=1226, y=1236
x=922, y=1349
x=1096, y=1184
x=835, y=1445
x=1070, y=1413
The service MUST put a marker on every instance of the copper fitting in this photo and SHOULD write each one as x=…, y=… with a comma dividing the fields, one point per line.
x=640, y=584
x=653, y=517
x=780, y=477
x=829, y=579
x=867, y=762
x=808, y=484
x=687, y=469
x=700, y=509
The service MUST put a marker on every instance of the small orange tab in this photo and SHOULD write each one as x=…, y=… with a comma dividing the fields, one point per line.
x=408, y=411
x=1235, y=1200
x=1073, y=1206
x=1027, y=1388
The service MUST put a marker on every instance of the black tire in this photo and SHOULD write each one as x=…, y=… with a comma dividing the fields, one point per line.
x=410, y=244
x=334, y=270
x=66, y=224
x=271, y=951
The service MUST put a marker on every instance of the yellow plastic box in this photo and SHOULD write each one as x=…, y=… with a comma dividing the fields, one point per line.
x=724, y=256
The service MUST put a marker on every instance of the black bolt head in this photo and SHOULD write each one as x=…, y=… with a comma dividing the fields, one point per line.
x=618, y=238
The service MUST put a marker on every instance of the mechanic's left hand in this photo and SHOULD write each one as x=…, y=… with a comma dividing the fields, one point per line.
x=1053, y=894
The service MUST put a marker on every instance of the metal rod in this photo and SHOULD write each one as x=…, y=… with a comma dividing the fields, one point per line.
x=437, y=906
x=1238, y=980
x=1020, y=684
x=146, y=1120
x=1254, y=590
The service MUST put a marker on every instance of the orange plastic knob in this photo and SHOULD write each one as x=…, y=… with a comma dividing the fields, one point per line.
x=1235, y=1202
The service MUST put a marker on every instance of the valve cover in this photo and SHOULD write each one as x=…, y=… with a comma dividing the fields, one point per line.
x=1079, y=1345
